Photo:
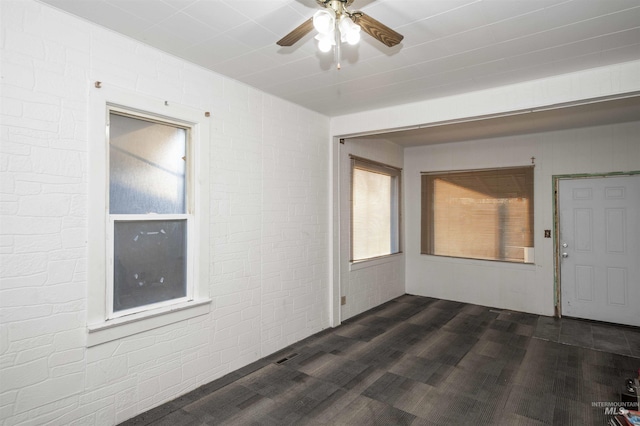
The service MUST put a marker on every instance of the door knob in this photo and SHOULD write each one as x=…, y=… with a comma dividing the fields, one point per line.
x=565, y=245
x=565, y=254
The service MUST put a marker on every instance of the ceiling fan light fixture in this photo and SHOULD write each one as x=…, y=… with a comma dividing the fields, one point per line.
x=324, y=21
x=326, y=41
x=349, y=31
x=353, y=38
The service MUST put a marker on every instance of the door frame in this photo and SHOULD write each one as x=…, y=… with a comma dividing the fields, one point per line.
x=557, y=284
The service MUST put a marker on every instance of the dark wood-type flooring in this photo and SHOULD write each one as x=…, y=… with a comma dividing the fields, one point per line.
x=423, y=361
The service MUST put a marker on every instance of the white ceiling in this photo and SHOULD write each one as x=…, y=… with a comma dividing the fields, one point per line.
x=450, y=46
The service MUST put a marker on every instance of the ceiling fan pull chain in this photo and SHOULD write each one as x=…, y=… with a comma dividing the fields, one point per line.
x=338, y=43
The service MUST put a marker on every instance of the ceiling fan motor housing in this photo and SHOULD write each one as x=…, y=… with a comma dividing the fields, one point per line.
x=338, y=6
x=326, y=2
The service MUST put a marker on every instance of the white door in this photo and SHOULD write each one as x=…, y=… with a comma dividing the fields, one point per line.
x=600, y=248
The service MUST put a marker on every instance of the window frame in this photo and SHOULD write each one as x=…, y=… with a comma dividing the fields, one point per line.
x=426, y=213
x=102, y=324
x=396, y=204
x=110, y=287
x=113, y=218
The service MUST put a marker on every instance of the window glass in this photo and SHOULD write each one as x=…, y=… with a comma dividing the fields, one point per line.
x=486, y=214
x=147, y=166
x=375, y=210
x=149, y=262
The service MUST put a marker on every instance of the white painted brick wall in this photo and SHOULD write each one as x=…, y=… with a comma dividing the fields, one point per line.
x=269, y=226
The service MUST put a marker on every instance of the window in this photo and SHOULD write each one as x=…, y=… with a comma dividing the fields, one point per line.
x=149, y=215
x=375, y=214
x=479, y=214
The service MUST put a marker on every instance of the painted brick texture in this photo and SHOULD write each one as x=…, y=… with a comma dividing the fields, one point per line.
x=269, y=226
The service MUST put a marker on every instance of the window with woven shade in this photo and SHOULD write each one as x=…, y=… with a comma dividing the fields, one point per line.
x=479, y=214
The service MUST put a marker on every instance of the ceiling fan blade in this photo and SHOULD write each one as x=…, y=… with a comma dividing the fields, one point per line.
x=377, y=30
x=295, y=35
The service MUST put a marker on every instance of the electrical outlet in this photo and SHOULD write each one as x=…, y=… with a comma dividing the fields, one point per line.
x=547, y=233
x=343, y=300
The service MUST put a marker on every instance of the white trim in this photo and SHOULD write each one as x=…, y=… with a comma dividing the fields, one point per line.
x=143, y=321
x=375, y=261
x=481, y=262
x=334, y=226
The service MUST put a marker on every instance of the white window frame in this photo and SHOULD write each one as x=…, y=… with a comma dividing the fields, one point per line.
x=188, y=216
x=396, y=204
x=111, y=255
x=103, y=324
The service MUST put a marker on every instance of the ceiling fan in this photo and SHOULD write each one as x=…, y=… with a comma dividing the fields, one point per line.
x=336, y=23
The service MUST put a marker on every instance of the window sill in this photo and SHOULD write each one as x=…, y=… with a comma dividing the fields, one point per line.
x=369, y=263
x=474, y=261
x=137, y=323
